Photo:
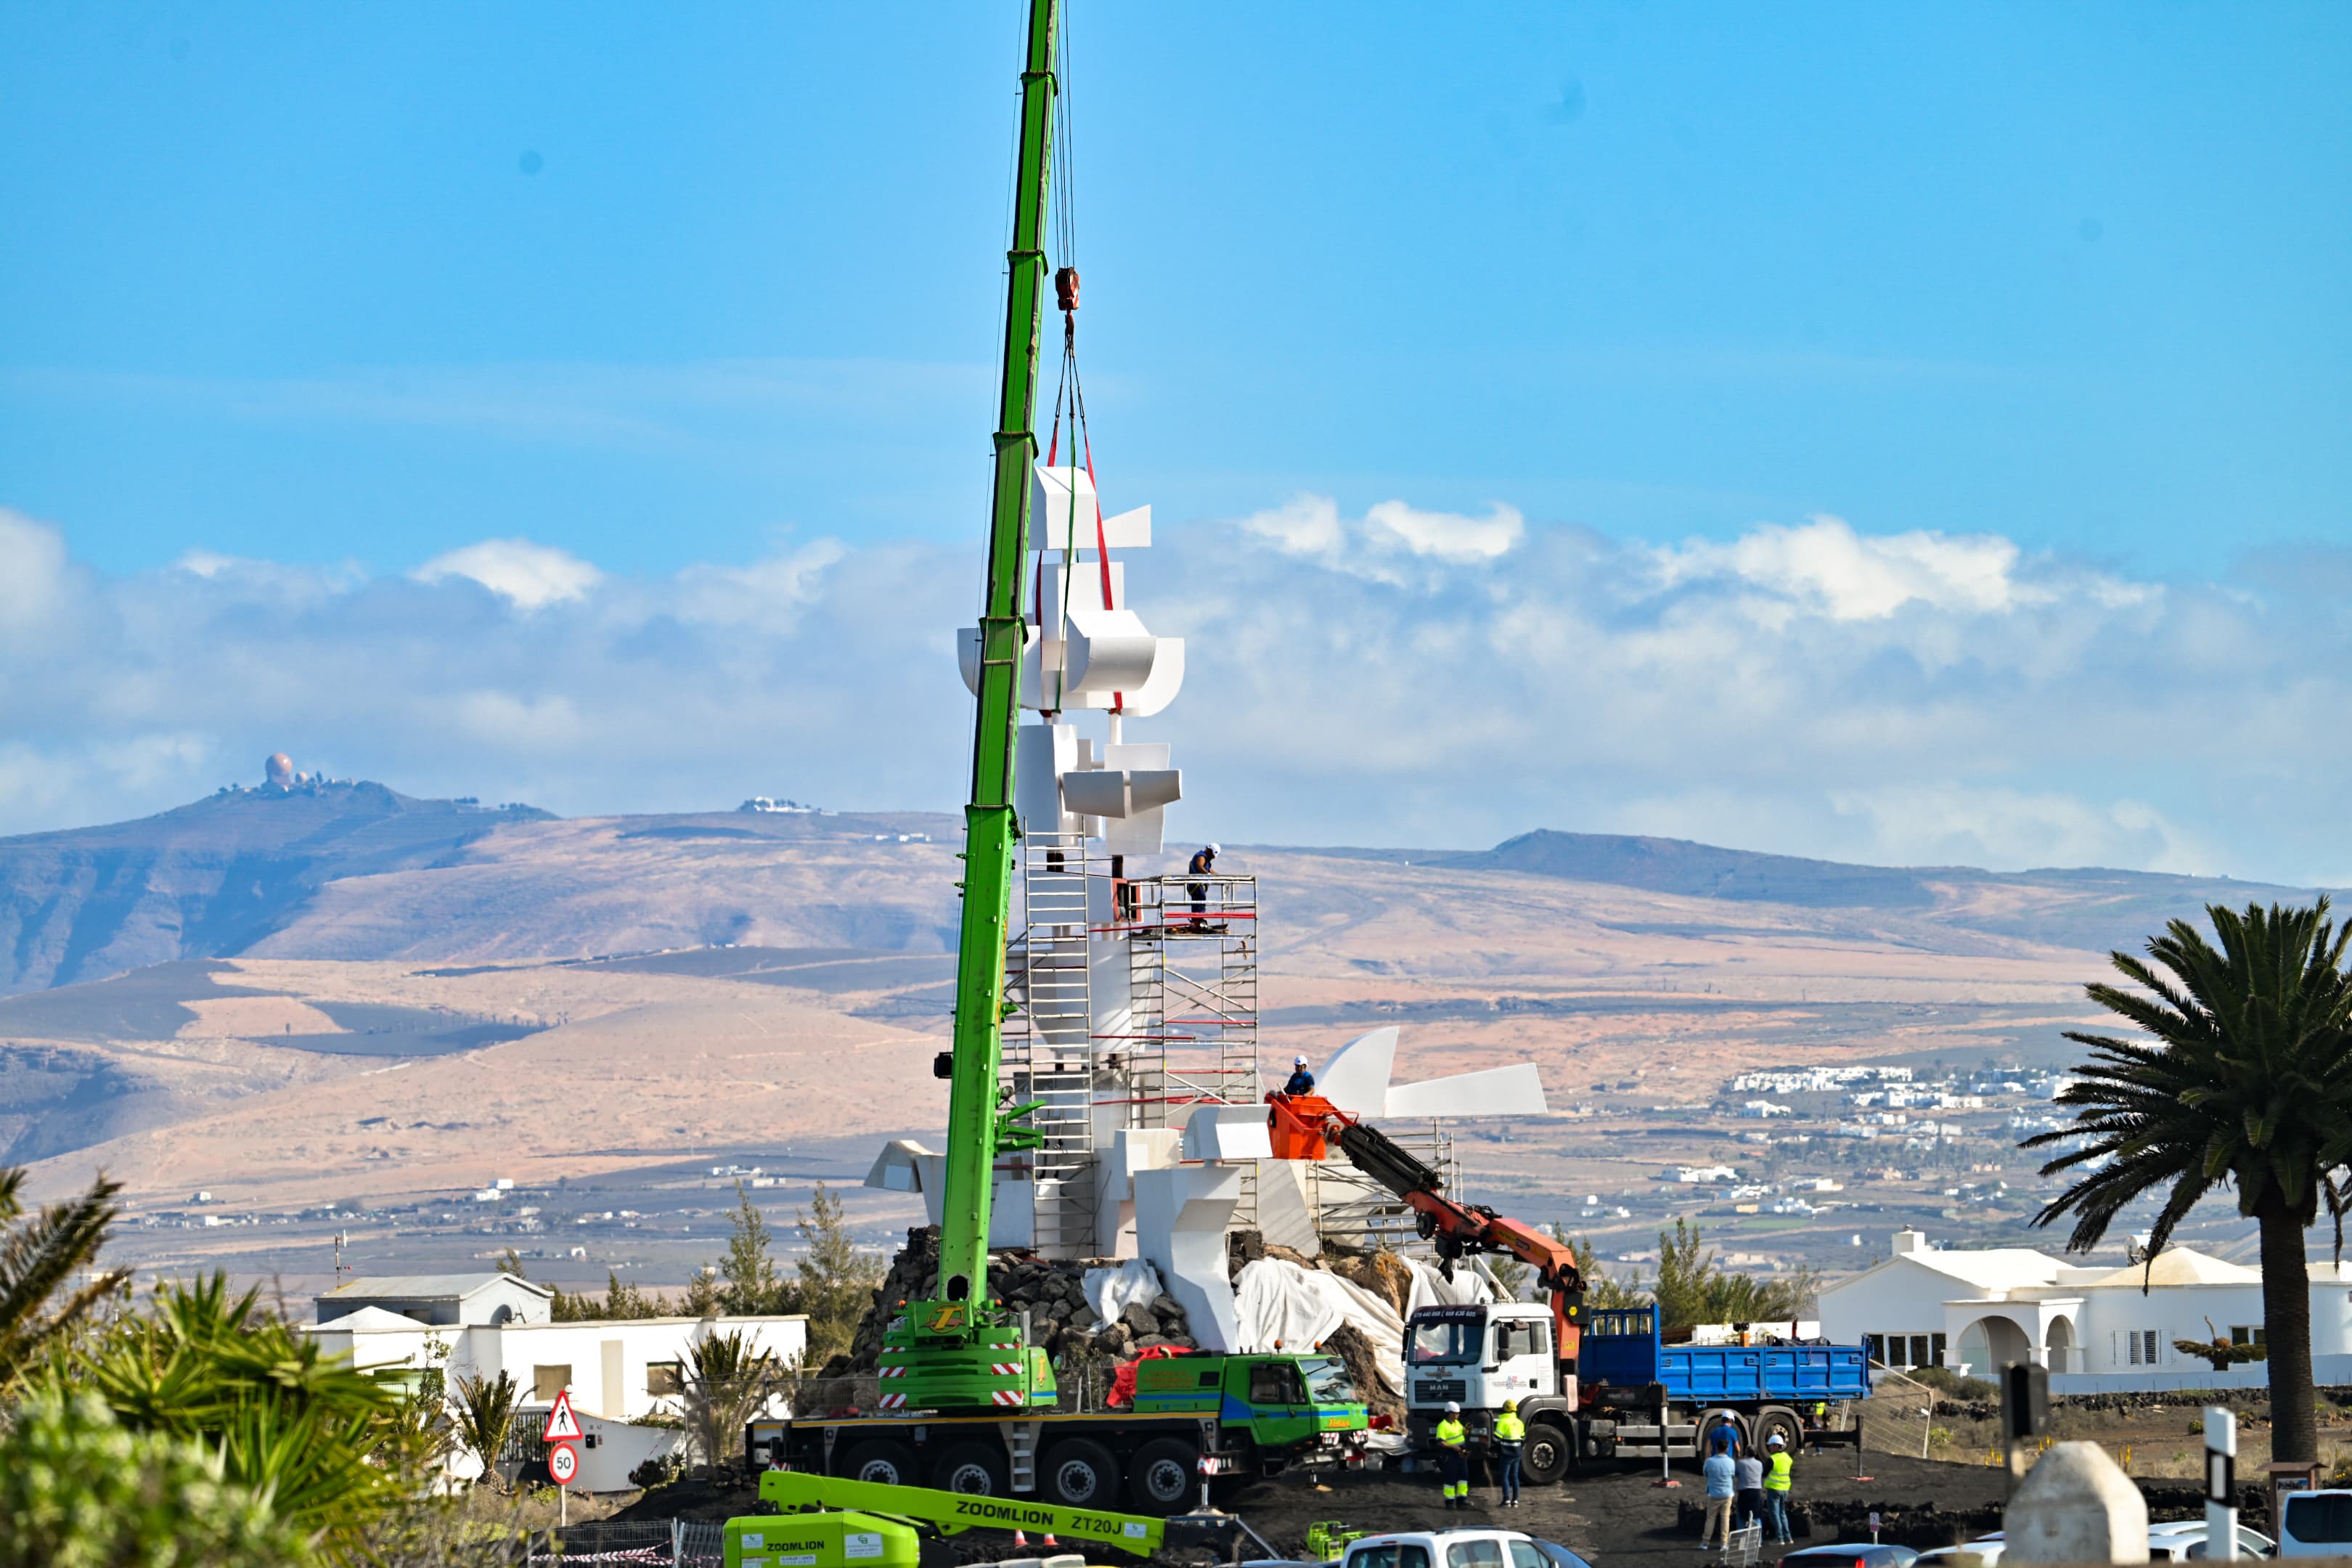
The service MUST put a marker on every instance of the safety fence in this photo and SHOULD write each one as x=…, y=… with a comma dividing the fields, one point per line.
x=657, y=1543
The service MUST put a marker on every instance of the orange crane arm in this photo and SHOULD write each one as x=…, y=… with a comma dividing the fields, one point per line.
x=1307, y=1126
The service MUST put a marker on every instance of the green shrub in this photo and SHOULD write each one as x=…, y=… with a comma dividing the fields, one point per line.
x=80, y=1490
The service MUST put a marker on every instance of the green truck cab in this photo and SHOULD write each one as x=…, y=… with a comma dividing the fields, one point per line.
x=1282, y=1402
x=1193, y=1415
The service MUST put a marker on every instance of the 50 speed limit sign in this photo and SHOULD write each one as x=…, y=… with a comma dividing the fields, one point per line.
x=562, y=1463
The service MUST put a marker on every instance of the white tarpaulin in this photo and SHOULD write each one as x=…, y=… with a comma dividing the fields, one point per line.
x=1110, y=1290
x=1276, y=1300
x=1431, y=1289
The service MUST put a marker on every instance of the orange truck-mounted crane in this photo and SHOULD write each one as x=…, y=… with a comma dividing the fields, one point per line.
x=1309, y=1127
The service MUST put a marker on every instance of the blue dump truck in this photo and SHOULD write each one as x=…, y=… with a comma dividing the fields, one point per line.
x=1628, y=1392
x=1639, y=1391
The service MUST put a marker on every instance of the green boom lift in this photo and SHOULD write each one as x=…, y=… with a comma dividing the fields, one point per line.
x=959, y=1349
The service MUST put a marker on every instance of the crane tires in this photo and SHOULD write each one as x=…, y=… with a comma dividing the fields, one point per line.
x=1547, y=1453
x=1781, y=1419
x=1160, y=1478
x=975, y=1470
x=881, y=1460
x=1079, y=1474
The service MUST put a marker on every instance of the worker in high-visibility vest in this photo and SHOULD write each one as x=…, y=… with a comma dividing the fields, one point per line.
x=1510, y=1433
x=1453, y=1457
x=1777, y=1467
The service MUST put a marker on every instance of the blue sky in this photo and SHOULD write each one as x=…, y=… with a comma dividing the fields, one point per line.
x=680, y=290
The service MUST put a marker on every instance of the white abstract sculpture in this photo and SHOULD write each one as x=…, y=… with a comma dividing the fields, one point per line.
x=1086, y=648
x=1180, y=1216
x=1356, y=1079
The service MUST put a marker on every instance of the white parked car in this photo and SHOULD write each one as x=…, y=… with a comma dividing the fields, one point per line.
x=1465, y=1548
x=2183, y=1541
x=2316, y=1524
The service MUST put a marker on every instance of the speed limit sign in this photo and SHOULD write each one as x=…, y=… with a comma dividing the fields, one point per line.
x=562, y=1463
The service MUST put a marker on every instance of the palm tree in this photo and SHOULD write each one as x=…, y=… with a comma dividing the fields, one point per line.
x=2245, y=1077
x=38, y=1258
x=726, y=1382
x=485, y=1416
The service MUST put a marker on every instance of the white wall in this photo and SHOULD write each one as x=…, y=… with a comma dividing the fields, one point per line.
x=609, y=1360
x=1894, y=1296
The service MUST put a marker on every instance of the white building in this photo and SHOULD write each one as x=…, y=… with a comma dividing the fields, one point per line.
x=2094, y=1328
x=479, y=1325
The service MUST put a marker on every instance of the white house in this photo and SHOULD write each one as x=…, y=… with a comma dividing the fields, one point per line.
x=479, y=1325
x=2097, y=1329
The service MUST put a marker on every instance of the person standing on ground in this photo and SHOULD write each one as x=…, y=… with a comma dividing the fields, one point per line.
x=1203, y=864
x=1510, y=1432
x=1776, y=1487
x=1748, y=1480
x=1721, y=1483
x=1454, y=1458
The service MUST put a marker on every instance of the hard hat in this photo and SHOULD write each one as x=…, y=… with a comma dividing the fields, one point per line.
x=1774, y=1441
x=1510, y=1407
x=1453, y=1407
x=1217, y=848
x=1299, y=1061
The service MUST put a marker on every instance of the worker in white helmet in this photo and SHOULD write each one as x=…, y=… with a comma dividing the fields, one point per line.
x=1203, y=864
x=1301, y=1080
x=1453, y=1457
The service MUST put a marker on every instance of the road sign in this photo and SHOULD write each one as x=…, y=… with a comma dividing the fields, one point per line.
x=563, y=1426
x=563, y=1463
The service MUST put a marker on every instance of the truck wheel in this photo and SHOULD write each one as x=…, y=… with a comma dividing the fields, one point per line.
x=1160, y=1478
x=880, y=1460
x=1781, y=1419
x=1547, y=1453
x=1079, y=1474
x=974, y=1469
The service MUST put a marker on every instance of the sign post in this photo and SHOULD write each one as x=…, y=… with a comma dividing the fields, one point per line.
x=2025, y=1415
x=562, y=1458
x=2221, y=1485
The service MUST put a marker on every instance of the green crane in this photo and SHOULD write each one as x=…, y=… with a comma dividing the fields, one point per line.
x=958, y=1350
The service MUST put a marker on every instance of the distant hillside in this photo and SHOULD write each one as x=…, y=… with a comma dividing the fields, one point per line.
x=362, y=872
x=207, y=880
x=2094, y=909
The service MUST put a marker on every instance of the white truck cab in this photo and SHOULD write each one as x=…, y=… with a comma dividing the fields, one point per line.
x=1478, y=1356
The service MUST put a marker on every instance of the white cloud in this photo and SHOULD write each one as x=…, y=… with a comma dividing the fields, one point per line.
x=1385, y=678
x=1824, y=568
x=35, y=578
x=1303, y=525
x=1445, y=535
x=1310, y=526
x=769, y=592
x=530, y=576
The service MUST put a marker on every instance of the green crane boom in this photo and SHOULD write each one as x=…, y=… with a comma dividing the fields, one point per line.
x=956, y=1350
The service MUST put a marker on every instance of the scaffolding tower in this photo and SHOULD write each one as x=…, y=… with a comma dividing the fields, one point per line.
x=1134, y=1000
x=1193, y=989
x=1049, y=1051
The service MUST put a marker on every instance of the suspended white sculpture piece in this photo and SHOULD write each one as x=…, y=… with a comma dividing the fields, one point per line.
x=1085, y=649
